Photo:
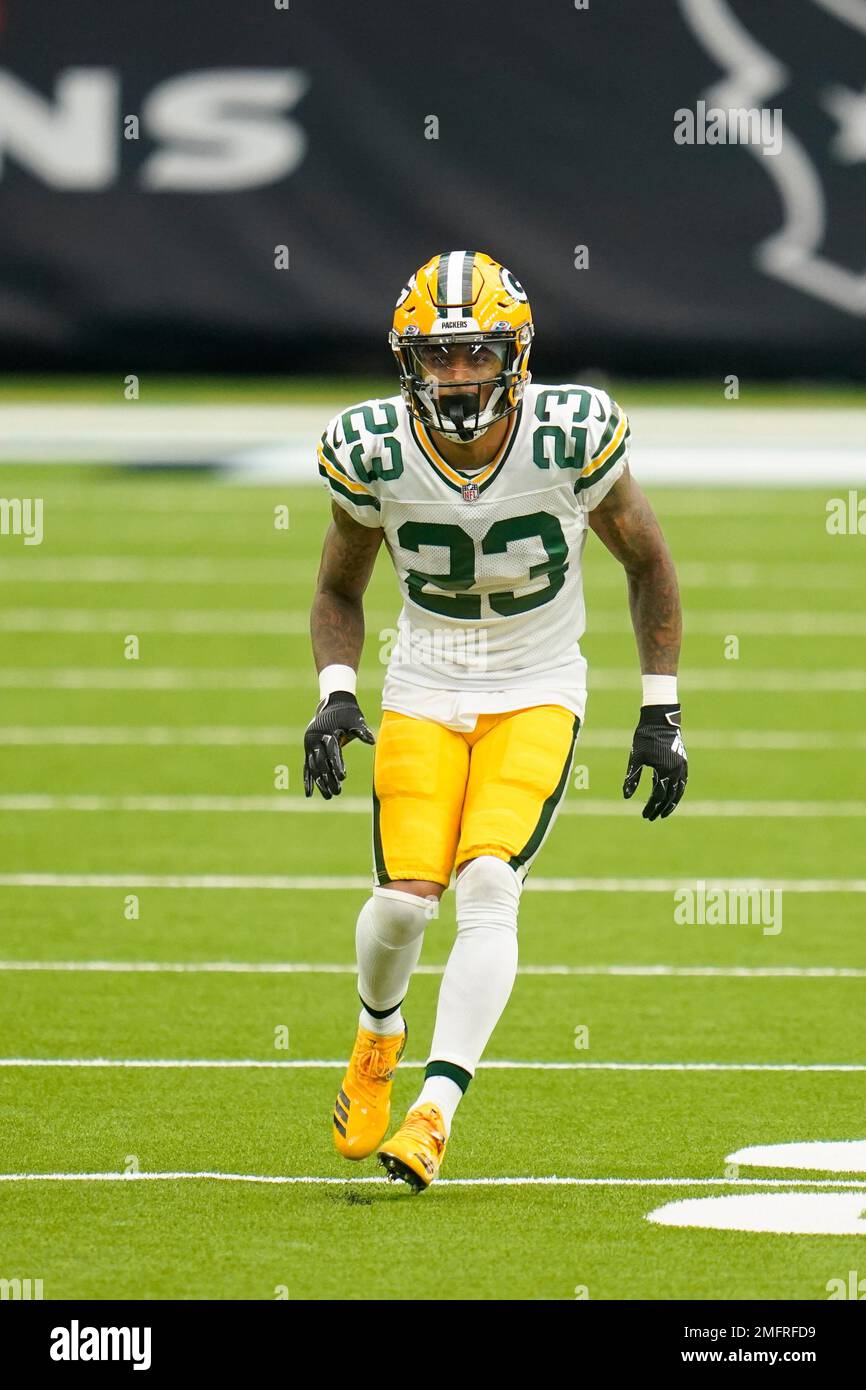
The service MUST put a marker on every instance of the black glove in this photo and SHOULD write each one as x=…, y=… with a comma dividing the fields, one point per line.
x=336, y=722
x=658, y=743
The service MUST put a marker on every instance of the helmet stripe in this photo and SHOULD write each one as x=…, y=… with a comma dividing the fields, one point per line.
x=454, y=283
x=468, y=268
x=442, y=284
x=455, y=295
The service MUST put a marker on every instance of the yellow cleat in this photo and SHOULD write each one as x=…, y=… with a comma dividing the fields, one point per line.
x=415, y=1153
x=362, y=1110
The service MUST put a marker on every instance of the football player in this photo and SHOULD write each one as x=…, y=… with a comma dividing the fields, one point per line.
x=482, y=487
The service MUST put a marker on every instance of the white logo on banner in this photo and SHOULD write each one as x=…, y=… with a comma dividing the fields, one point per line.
x=754, y=76
x=217, y=131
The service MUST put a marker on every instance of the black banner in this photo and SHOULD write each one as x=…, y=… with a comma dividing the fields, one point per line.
x=681, y=187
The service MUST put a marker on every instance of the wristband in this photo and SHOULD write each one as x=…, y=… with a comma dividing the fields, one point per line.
x=660, y=690
x=337, y=677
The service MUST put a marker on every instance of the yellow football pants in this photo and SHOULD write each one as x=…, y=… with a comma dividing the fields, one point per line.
x=441, y=797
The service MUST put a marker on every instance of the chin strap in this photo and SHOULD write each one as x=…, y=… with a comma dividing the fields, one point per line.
x=456, y=408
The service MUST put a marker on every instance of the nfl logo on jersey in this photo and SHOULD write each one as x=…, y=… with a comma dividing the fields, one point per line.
x=470, y=492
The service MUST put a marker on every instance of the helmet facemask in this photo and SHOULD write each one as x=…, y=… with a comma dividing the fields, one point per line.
x=461, y=384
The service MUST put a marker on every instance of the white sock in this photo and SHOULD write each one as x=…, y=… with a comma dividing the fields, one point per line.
x=388, y=940
x=445, y=1093
x=385, y=1027
x=480, y=973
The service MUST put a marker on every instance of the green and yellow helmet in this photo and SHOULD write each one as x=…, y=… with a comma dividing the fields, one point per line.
x=467, y=298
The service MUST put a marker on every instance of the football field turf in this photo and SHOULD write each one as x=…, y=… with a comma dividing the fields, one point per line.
x=165, y=903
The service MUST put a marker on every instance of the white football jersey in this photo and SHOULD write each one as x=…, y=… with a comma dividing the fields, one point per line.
x=488, y=561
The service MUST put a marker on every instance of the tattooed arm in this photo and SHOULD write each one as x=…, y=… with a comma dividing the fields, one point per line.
x=626, y=523
x=337, y=629
x=337, y=616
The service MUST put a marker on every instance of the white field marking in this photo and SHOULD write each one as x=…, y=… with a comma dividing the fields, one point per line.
x=621, y=679
x=747, y=465
x=267, y=622
x=743, y=503
x=360, y=805
x=633, y=972
x=241, y=736
x=751, y=740
x=745, y=623
x=776, y=1213
x=274, y=622
x=254, y=572
x=337, y=882
x=128, y=500
x=146, y=493
x=107, y=620
x=320, y=1064
x=94, y=429
x=554, y=1180
x=825, y=1155
x=150, y=735
x=740, y=682
x=118, y=569
x=716, y=810
x=750, y=575
x=760, y=446
x=52, y=432
x=155, y=678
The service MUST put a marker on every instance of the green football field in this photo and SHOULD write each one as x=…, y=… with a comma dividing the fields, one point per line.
x=178, y=927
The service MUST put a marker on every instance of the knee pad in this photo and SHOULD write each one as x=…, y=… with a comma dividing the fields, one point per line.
x=487, y=894
x=397, y=918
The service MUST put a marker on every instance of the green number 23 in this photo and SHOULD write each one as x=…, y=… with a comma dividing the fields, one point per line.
x=461, y=570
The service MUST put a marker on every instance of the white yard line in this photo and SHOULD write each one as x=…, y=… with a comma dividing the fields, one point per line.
x=138, y=676
x=128, y=500
x=752, y=623
x=360, y=805
x=319, y=1064
x=762, y=446
x=121, y=569
x=553, y=1180
x=633, y=972
x=262, y=622
x=151, y=736
x=130, y=432
x=126, y=677
x=328, y=883
x=253, y=572
x=241, y=736
x=283, y=622
x=745, y=740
